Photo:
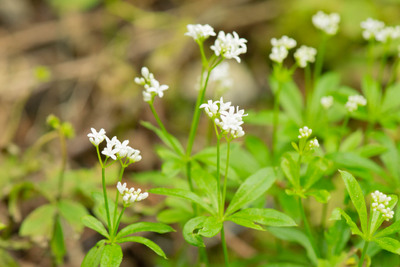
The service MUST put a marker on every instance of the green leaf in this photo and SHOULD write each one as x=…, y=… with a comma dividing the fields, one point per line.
x=295, y=235
x=39, y=222
x=210, y=227
x=164, y=137
x=291, y=170
x=206, y=183
x=174, y=216
x=190, y=231
x=315, y=170
x=251, y=189
x=93, y=223
x=147, y=242
x=372, y=91
x=92, y=258
x=320, y=195
x=258, y=149
x=357, y=197
x=111, y=256
x=252, y=217
x=182, y=194
x=73, y=212
x=143, y=227
x=393, y=228
x=351, y=142
x=389, y=244
x=336, y=215
x=57, y=242
x=6, y=259
x=100, y=207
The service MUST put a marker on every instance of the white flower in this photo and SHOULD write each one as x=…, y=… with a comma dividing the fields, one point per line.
x=199, y=32
x=387, y=33
x=229, y=45
x=327, y=101
x=151, y=85
x=110, y=150
x=97, y=137
x=381, y=203
x=305, y=132
x=130, y=196
x=329, y=23
x=278, y=54
x=133, y=155
x=305, y=54
x=284, y=41
x=313, y=143
x=371, y=28
x=213, y=109
x=354, y=101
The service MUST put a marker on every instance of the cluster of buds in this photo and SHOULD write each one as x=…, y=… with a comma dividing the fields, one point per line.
x=280, y=48
x=305, y=132
x=375, y=29
x=114, y=148
x=304, y=55
x=328, y=23
x=304, y=145
x=130, y=196
x=354, y=101
x=151, y=86
x=225, y=116
x=327, y=101
x=199, y=32
x=381, y=204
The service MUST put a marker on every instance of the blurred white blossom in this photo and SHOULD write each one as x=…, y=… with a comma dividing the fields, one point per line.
x=313, y=143
x=305, y=132
x=381, y=204
x=328, y=23
x=354, y=101
x=199, y=32
x=284, y=41
x=130, y=196
x=278, y=54
x=387, y=33
x=229, y=45
x=327, y=101
x=97, y=137
x=151, y=85
x=371, y=28
x=305, y=54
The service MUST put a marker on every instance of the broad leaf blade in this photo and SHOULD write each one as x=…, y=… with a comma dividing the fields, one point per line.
x=94, y=224
x=147, y=242
x=251, y=189
x=336, y=215
x=39, y=222
x=143, y=227
x=357, y=197
x=267, y=217
x=394, y=228
x=210, y=227
x=93, y=257
x=291, y=170
x=73, y=212
x=111, y=256
x=190, y=231
x=389, y=244
x=57, y=242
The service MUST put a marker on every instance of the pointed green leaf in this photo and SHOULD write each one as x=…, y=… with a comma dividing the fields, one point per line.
x=210, y=227
x=190, y=231
x=183, y=194
x=291, y=170
x=39, y=222
x=165, y=137
x=321, y=196
x=393, y=228
x=315, y=170
x=357, y=197
x=73, y=212
x=174, y=215
x=147, y=242
x=206, y=183
x=266, y=217
x=145, y=227
x=94, y=224
x=336, y=215
x=92, y=258
x=351, y=142
x=389, y=244
x=258, y=149
x=111, y=256
x=251, y=189
x=57, y=242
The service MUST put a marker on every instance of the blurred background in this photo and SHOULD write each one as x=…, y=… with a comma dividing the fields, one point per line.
x=77, y=59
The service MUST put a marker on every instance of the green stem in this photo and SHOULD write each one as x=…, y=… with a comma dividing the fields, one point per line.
x=203, y=256
x=63, y=163
x=224, y=247
x=118, y=221
x=189, y=176
x=276, y=119
x=220, y=207
x=320, y=58
x=364, y=252
x=307, y=226
x=225, y=178
x=163, y=129
x=103, y=180
x=121, y=172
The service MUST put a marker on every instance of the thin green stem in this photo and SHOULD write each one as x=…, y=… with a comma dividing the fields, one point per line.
x=224, y=247
x=118, y=221
x=220, y=208
x=63, y=145
x=275, y=119
x=203, y=256
x=307, y=226
x=364, y=252
x=121, y=172
x=103, y=180
x=225, y=178
x=163, y=129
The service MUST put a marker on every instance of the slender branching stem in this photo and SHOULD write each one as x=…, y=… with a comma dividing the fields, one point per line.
x=121, y=172
x=63, y=145
x=118, y=221
x=103, y=180
x=225, y=178
x=275, y=121
x=364, y=252
x=220, y=208
x=224, y=247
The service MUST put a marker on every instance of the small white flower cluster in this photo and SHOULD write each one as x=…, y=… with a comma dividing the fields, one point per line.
x=225, y=116
x=280, y=48
x=114, y=148
x=376, y=29
x=354, y=101
x=381, y=202
x=151, y=85
x=199, y=32
x=328, y=23
x=327, y=101
x=130, y=196
x=305, y=54
x=313, y=143
x=305, y=132
x=229, y=45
